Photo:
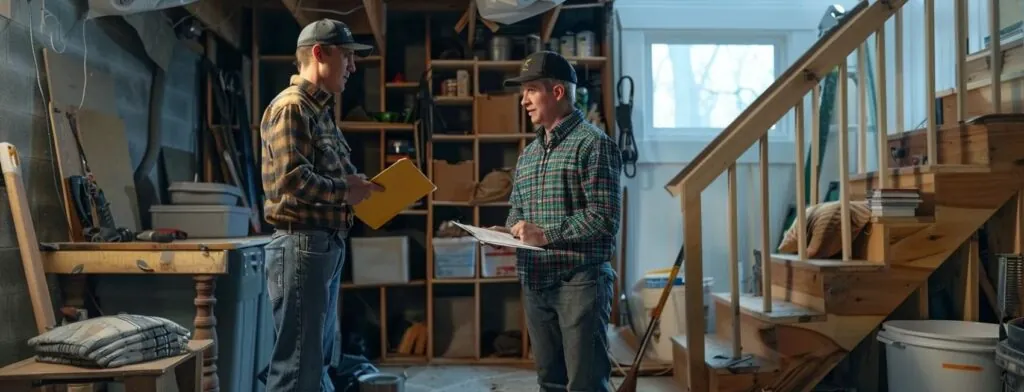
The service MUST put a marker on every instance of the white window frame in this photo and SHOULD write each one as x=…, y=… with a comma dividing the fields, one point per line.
x=778, y=39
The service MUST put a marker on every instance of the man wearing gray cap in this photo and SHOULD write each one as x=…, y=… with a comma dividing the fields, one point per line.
x=565, y=198
x=310, y=185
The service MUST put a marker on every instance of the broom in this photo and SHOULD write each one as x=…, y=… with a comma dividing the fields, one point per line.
x=629, y=382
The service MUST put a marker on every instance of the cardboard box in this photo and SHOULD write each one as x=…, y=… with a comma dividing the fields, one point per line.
x=455, y=181
x=498, y=114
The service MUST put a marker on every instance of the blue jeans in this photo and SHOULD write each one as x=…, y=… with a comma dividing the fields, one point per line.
x=568, y=331
x=303, y=278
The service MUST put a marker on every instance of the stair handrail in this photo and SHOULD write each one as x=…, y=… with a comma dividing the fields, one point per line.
x=782, y=95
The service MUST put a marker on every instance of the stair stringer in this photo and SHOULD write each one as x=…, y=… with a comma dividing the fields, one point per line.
x=963, y=202
x=858, y=302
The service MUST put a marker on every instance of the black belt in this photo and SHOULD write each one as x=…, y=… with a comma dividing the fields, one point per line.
x=303, y=227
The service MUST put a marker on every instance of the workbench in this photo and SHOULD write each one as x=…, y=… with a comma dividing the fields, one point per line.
x=204, y=259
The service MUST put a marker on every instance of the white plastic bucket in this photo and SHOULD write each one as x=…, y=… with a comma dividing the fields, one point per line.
x=941, y=355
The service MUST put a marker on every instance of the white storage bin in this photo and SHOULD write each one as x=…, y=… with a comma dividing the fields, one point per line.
x=202, y=221
x=454, y=257
x=204, y=193
x=379, y=260
x=497, y=263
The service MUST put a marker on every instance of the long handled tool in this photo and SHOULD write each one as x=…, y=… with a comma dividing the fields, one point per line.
x=31, y=259
x=629, y=383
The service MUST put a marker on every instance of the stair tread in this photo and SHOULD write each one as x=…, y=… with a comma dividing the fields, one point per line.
x=718, y=357
x=941, y=168
x=903, y=220
x=826, y=264
x=783, y=312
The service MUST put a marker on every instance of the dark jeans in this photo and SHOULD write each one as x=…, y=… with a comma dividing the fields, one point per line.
x=303, y=278
x=568, y=331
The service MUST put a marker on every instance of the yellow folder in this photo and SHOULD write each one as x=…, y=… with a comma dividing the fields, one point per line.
x=403, y=184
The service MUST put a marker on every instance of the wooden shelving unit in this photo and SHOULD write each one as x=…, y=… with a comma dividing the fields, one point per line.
x=370, y=310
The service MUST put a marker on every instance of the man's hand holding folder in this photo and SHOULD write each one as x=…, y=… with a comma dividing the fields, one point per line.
x=359, y=188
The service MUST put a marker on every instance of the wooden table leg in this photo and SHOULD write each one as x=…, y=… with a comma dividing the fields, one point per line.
x=205, y=325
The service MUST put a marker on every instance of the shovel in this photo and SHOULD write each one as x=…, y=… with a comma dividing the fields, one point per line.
x=629, y=382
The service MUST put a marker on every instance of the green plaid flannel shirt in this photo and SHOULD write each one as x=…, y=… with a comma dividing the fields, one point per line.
x=569, y=186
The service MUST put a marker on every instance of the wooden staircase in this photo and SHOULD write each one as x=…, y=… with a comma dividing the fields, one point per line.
x=823, y=308
x=814, y=312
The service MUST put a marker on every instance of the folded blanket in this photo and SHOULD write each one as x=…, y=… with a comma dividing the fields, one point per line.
x=111, y=341
x=122, y=357
x=141, y=341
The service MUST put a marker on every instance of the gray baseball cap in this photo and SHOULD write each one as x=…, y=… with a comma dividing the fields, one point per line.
x=329, y=32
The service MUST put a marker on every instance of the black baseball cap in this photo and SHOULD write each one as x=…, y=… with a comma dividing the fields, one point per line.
x=543, y=65
x=329, y=32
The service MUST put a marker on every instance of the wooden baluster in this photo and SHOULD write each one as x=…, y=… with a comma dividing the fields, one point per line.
x=844, y=159
x=898, y=77
x=862, y=109
x=734, y=263
x=929, y=75
x=694, y=309
x=815, y=139
x=766, y=272
x=801, y=205
x=995, y=56
x=882, y=123
x=961, y=60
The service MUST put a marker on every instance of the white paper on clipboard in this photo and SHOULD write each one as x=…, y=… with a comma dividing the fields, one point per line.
x=496, y=238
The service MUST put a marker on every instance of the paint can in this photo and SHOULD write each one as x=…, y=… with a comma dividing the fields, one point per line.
x=568, y=45
x=585, y=44
x=501, y=48
x=450, y=88
x=462, y=83
x=533, y=44
x=381, y=382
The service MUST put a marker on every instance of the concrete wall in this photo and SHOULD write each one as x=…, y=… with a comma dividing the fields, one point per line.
x=114, y=48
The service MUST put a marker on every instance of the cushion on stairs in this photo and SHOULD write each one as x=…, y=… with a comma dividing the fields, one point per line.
x=824, y=231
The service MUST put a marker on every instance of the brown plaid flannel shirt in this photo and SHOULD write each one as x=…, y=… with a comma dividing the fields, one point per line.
x=305, y=160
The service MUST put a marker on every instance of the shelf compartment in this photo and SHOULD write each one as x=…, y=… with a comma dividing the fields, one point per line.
x=455, y=322
x=502, y=321
x=453, y=101
x=406, y=318
x=374, y=126
x=361, y=329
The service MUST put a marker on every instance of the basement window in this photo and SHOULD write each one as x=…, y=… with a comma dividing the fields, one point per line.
x=699, y=82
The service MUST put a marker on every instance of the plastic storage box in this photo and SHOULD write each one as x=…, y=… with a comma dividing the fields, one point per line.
x=204, y=193
x=202, y=221
x=454, y=257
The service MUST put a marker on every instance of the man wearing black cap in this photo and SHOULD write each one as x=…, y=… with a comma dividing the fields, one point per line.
x=565, y=198
x=310, y=185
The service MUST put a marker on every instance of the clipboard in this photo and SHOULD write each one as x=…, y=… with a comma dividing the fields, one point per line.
x=403, y=184
x=494, y=238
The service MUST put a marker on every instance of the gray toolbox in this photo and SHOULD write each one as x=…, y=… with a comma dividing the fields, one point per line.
x=202, y=221
x=204, y=193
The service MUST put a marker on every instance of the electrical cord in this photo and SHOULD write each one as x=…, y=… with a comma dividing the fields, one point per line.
x=624, y=117
x=624, y=111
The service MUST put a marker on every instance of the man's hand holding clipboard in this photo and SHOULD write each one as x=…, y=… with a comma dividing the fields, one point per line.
x=495, y=238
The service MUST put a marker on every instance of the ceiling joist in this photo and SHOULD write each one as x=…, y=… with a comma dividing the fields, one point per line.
x=375, y=16
x=302, y=16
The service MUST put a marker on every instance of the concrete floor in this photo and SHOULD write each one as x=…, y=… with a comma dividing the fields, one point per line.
x=494, y=379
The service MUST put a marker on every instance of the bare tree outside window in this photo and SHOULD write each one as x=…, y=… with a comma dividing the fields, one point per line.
x=707, y=85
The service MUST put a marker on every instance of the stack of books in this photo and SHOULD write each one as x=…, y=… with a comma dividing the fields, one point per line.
x=894, y=202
